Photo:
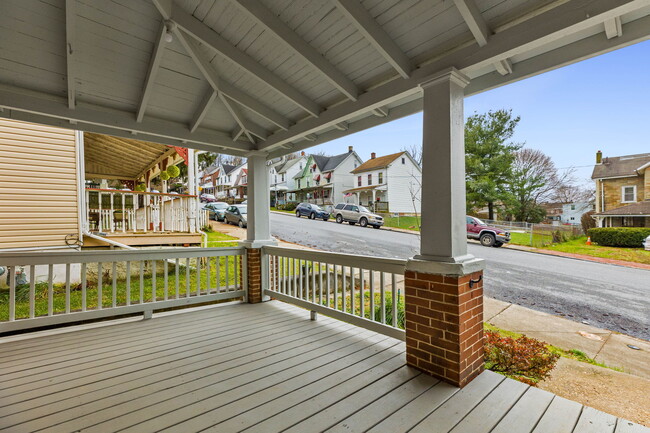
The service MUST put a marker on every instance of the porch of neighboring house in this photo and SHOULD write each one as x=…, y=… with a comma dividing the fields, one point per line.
x=631, y=215
x=375, y=197
x=128, y=216
x=320, y=195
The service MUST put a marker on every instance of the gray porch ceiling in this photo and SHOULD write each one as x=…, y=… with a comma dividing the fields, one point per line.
x=240, y=76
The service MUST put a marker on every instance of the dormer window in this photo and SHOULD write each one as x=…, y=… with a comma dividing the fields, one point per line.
x=628, y=194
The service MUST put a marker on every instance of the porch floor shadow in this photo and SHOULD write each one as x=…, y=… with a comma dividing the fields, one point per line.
x=258, y=368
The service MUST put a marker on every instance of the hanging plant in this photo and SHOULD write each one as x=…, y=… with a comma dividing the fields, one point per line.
x=173, y=171
x=141, y=187
x=164, y=175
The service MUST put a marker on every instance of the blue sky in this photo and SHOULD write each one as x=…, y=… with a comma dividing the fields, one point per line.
x=601, y=103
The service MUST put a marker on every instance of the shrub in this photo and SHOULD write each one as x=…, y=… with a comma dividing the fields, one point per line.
x=287, y=206
x=619, y=236
x=587, y=221
x=164, y=175
x=524, y=359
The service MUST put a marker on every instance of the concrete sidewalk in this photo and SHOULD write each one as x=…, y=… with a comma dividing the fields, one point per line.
x=607, y=347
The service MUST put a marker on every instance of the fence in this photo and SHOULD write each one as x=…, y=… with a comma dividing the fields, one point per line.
x=364, y=291
x=537, y=235
x=111, y=283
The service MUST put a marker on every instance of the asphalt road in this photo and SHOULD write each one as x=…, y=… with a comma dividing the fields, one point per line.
x=606, y=296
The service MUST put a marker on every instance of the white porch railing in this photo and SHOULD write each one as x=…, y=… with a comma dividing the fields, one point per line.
x=116, y=211
x=357, y=289
x=98, y=284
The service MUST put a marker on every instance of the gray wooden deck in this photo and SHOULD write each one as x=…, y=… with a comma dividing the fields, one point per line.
x=258, y=368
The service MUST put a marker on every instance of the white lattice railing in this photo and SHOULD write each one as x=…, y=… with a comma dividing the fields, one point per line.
x=365, y=291
x=57, y=287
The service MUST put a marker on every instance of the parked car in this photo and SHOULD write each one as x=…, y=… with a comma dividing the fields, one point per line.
x=488, y=236
x=353, y=214
x=646, y=244
x=236, y=214
x=207, y=198
x=217, y=210
x=312, y=211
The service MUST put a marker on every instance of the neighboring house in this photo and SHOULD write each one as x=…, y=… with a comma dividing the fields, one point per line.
x=282, y=180
x=572, y=212
x=240, y=187
x=622, y=190
x=324, y=178
x=209, y=179
x=389, y=183
x=224, y=182
x=553, y=211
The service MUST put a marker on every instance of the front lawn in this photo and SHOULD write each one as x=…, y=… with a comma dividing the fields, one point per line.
x=403, y=222
x=579, y=246
x=282, y=210
x=218, y=239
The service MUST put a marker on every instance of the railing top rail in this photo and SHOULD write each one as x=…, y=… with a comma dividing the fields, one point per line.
x=72, y=256
x=396, y=266
x=121, y=191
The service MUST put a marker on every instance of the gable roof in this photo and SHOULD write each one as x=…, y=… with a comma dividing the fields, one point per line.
x=617, y=166
x=641, y=208
x=287, y=165
x=227, y=168
x=329, y=163
x=374, y=163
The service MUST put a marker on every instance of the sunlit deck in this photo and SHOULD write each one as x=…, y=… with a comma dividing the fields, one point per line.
x=264, y=368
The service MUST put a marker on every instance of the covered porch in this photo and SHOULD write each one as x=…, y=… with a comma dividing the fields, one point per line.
x=260, y=80
x=374, y=196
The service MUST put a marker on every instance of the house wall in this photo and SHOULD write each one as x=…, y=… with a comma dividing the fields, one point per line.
x=342, y=179
x=646, y=184
x=612, y=188
x=574, y=216
x=39, y=181
x=404, y=184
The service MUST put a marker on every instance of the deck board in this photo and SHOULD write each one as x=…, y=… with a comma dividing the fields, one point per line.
x=257, y=368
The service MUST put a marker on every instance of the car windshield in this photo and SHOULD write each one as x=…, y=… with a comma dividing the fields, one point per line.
x=316, y=207
x=220, y=205
x=479, y=222
x=242, y=209
x=364, y=209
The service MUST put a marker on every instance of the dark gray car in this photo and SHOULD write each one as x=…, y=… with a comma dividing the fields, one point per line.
x=236, y=214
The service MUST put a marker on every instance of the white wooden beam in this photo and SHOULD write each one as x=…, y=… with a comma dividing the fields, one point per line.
x=503, y=67
x=212, y=39
x=243, y=123
x=201, y=112
x=376, y=35
x=70, y=48
x=380, y=111
x=343, y=126
x=203, y=63
x=557, y=23
x=111, y=119
x=295, y=42
x=613, y=28
x=236, y=133
x=311, y=137
x=472, y=16
x=154, y=64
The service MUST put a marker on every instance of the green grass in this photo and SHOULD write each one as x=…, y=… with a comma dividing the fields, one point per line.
x=575, y=354
x=136, y=295
x=281, y=210
x=218, y=239
x=403, y=222
x=579, y=246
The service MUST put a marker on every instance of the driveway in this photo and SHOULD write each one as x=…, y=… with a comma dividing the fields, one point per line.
x=602, y=295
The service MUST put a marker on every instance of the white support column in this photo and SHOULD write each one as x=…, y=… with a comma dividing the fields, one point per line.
x=443, y=235
x=191, y=184
x=259, y=203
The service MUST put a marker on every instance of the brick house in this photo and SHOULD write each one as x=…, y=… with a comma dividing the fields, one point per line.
x=622, y=190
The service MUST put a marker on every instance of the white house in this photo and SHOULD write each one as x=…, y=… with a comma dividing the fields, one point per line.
x=281, y=177
x=390, y=183
x=572, y=212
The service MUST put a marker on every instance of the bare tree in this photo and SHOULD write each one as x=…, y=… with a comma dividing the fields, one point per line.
x=415, y=150
x=571, y=193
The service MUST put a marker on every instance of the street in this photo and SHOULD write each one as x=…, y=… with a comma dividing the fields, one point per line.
x=606, y=296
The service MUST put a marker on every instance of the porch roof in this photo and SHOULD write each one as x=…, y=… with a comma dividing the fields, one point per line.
x=120, y=158
x=266, y=367
x=641, y=208
x=237, y=76
x=367, y=188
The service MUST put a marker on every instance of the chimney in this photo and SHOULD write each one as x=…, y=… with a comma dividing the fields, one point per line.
x=599, y=157
x=350, y=149
x=302, y=153
x=373, y=155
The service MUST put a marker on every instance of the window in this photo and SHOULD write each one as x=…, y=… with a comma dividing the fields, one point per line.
x=628, y=194
x=359, y=181
x=573, y=207
x=348, y=207
x=339, y=206
x=282, y=177
x=370, y=179
x=403, y=160
x=298, y=183
x=380, y=179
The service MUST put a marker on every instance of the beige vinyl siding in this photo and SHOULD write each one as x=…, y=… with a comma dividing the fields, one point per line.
x=38, y=185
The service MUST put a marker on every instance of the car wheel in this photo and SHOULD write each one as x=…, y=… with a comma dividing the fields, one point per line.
x=363, y=222
x=312, y=216
x=339, y=219
x=298, y=214
x=488, y=240
x=241, y=224
x=498, y=244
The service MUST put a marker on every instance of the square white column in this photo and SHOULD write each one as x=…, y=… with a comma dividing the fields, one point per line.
x=259, y=203
x=443, y=233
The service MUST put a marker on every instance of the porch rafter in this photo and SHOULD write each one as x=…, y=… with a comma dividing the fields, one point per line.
x=154, y=65
x=202, y=111
x=70, y=48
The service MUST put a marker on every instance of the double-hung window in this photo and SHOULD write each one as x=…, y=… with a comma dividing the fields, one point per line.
x=628, y=194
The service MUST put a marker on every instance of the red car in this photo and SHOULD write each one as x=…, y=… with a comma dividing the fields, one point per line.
x=488, y=236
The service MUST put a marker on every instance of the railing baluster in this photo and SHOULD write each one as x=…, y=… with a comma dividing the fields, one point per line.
x=313, y=282
x=32, y=291
x=327, y=278
x=154, y=282
x=208, y=274
x=84, y=284
x=111, y=215
x=336, y=288
x=362, y=289
x=300, y=278
x=218, y=272
x=114, y=272
x=237, y=265
x=352, y=286
x=177, y=286
x=123, y=199
x=372, y=294
x=227, y=276
x=395, y=300
x=198, y=276
x=128, y=283
x=12, y=292
x=320, y=283
x=166, y=279
x=50, y=289
x=383, y=297
x=67, y=288
x=285, y=275
x=187, y=277
x=100, y=226
x=142, y=262
x=99, y=286
x=345, y=291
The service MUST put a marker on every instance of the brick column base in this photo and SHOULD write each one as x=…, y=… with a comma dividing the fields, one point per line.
x=254, y=274
x=444, y=325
